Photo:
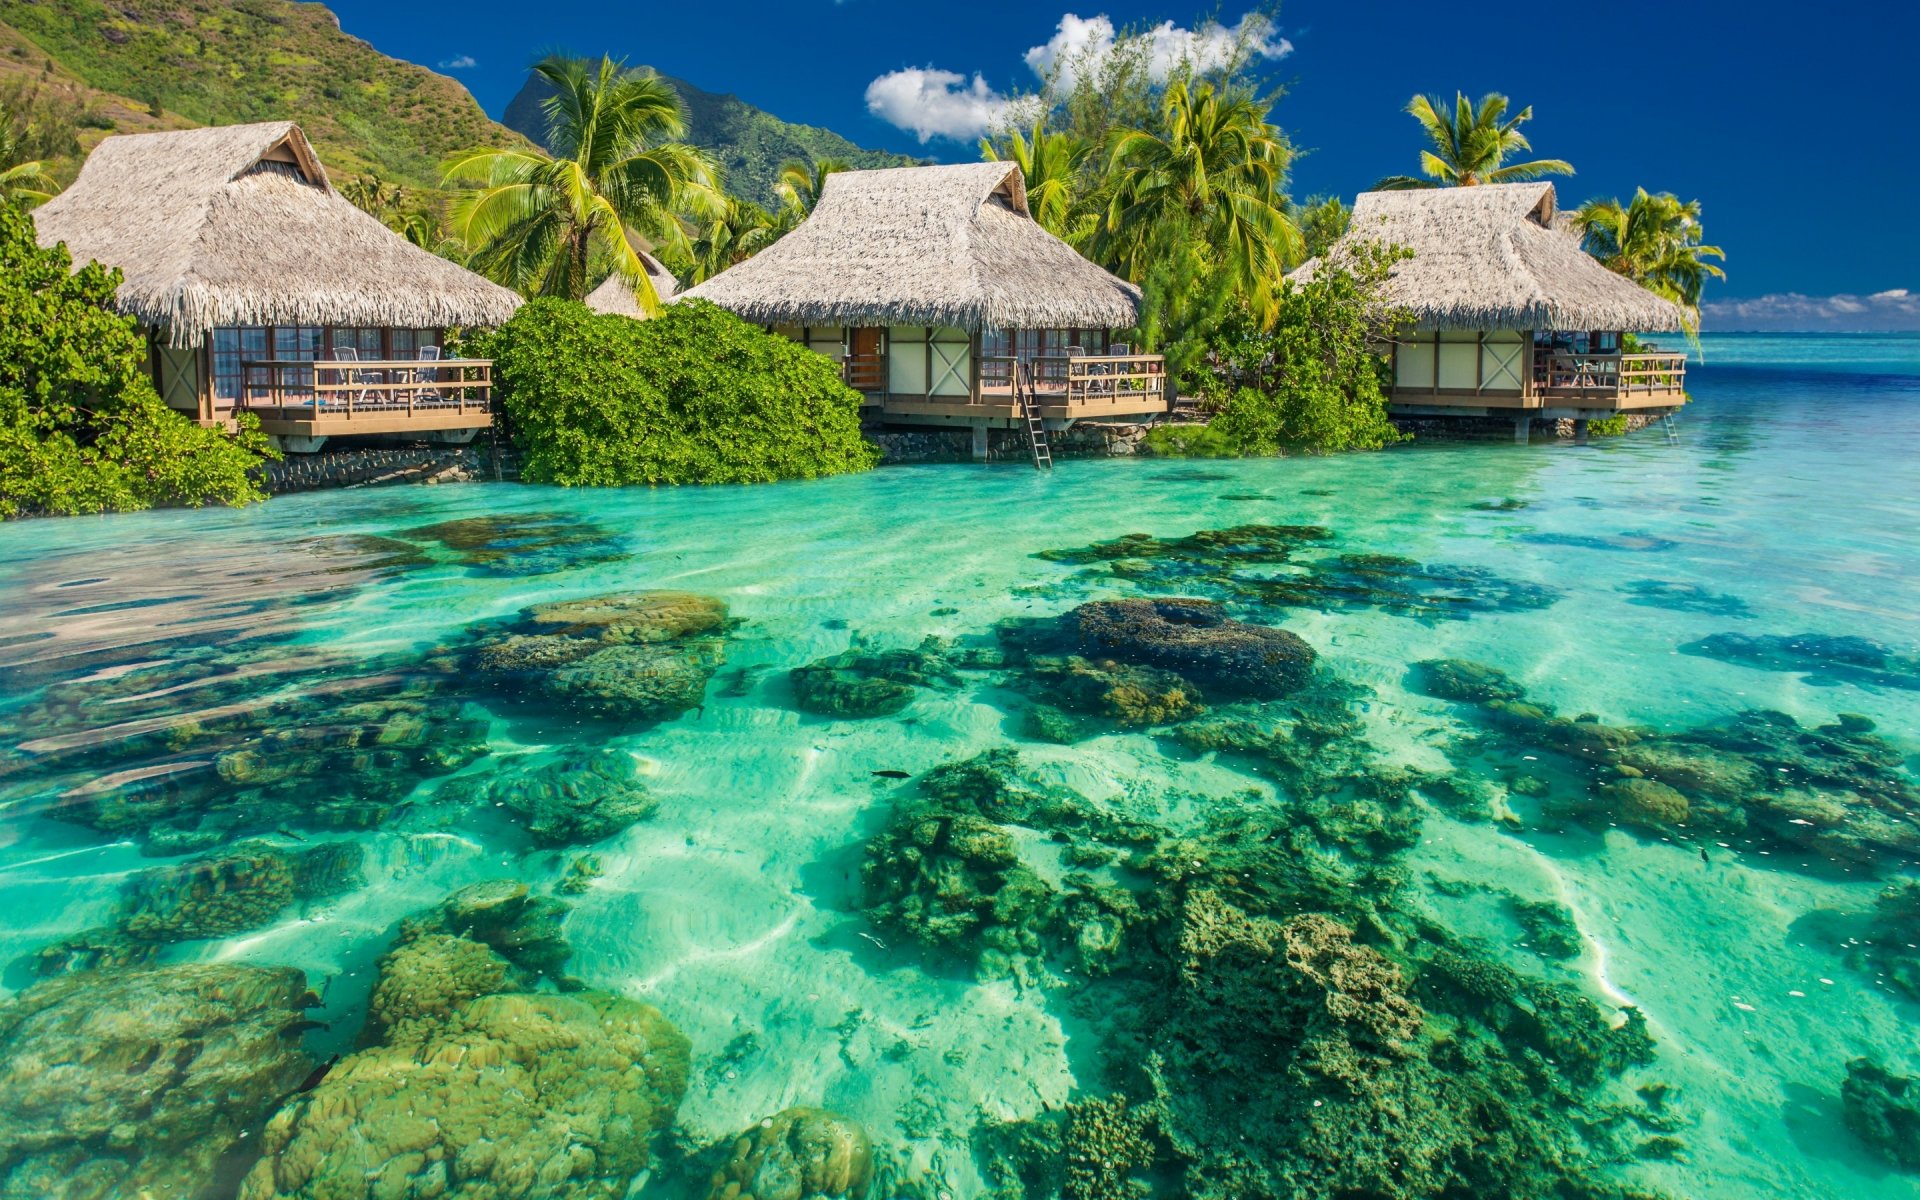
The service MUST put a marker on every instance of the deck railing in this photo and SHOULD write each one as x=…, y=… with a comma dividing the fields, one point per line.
x=1068, y=379
x=865, y=372
x=1560, y=373
x=304, y=389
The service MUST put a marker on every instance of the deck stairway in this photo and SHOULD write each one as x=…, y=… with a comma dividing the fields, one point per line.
x=1030, y=413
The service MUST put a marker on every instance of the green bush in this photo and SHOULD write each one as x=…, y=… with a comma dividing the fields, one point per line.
x=81, y=428
x=1315, y=382
x=695, y=395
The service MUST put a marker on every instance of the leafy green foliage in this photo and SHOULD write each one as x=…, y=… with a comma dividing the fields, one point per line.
x=218, y=62
x=1314, y=382
x=1190, y=441
x=81, y=428
x=1654, y=240
x=750, y=145
x=695, y=395
x=1471, y=144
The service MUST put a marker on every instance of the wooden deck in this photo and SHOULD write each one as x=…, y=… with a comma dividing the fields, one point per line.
x=339, y=399
x=1064, y=389
x=1575, y=384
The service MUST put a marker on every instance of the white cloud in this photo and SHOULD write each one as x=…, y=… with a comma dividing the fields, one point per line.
x=934, y=103
x=1896, y=309
x=458, y=63
x=1082, y=43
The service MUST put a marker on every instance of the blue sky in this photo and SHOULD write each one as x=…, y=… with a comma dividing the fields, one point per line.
x=1786, y=121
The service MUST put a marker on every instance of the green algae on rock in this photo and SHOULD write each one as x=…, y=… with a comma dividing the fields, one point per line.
x=1838, y=791
x=504, y=1095
x=1883, y=1111
x=797, y=1154
x=506, y=916
x=137, y=1082
x=470, y=1082
x=235, y=890
x=517, y=545
x=1260, y=566
x=635, y=657
x=863, y=682
x=574, y=798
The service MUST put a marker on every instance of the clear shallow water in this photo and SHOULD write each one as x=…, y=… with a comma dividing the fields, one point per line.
x=1790, y=504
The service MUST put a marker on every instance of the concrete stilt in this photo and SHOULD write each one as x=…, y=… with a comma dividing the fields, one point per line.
x=1522, y=427
x=979, y=443
x=1579, y=431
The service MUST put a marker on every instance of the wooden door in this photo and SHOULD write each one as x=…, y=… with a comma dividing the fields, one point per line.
x=866, y=364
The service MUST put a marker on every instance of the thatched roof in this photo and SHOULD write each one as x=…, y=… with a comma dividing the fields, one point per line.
x=239, y=225
x=950, y=246
x=615, y=295
x=1491, y=257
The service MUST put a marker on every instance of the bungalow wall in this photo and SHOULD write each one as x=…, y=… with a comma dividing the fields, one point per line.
x=1463, y=365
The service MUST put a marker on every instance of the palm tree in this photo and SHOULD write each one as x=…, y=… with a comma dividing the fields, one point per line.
x=801, y=182
x=1471, y=145
x=736, y=233
x=1052, y=164
x=541, y=222
x=1655, y=241
x=1216, y=173
x=22, y=180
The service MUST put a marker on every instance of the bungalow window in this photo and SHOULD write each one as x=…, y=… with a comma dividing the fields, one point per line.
x=294, y=343
x=233, y=345
x=366, y=343
x=407, y=343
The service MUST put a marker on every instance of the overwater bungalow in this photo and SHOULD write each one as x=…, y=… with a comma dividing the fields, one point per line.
x=248, y=271
x=946, y=303
x=1511, y=316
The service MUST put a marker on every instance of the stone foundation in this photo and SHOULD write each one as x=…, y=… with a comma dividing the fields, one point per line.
x=341, y=466
x=1084, y=440
x=1484, y=429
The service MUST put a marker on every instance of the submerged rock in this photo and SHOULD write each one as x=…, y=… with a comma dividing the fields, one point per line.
x=1195, y=640
x=514, y=544
x=233, y=891
x=863, y=682
x=1883, y=1110
x=504, y=915
x=797, y=1154
x=1843, y=658
x=136, y=1082
x=472, y=1083
x=637, y=656
x=635, y=617
x=578, y=797
x=1261, y=566
x=1468, y=682
x=502, y=1096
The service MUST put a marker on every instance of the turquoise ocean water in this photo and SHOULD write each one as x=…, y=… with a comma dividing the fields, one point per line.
x=158, y=667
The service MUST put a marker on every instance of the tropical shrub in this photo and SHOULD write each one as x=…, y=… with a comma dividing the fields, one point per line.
x=1315, y=381
x=695, y=395
x=81, y=428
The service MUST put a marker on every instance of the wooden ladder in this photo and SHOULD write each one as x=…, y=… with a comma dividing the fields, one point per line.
x=1030, y=413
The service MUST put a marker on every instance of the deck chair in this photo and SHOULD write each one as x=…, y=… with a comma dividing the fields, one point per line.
x=423, y=377
x=344, y=375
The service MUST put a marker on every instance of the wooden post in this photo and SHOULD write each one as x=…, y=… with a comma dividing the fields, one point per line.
x=1522, y=428
x=980, y=442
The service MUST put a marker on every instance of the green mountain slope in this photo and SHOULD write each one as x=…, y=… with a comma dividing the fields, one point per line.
x=208, y=62
x=750, y=142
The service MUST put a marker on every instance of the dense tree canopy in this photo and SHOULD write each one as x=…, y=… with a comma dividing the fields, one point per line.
x=81, y=428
